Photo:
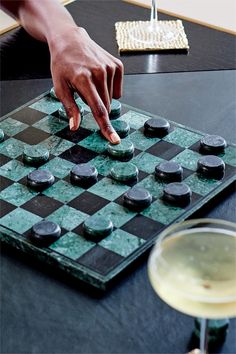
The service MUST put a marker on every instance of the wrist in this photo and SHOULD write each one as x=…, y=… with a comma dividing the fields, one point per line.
x=60, y=33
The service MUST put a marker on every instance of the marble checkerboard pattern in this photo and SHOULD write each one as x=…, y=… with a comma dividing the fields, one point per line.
x=99, y=263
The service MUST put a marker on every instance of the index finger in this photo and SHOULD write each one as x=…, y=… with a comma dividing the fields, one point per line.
x=99, y=111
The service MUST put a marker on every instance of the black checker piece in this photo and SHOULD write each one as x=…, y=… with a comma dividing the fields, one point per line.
x=40, y=179
x=156, y=127
x=44, y=233
x=177, y=193
x=212, y=144
x=169, y=171
x=211, y=166
x=137, y=199
x=84, y=175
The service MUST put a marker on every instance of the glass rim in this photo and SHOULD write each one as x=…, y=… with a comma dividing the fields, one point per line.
x=175, y=226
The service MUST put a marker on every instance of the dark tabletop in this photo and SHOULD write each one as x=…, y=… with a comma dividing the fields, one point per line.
x=40, y=311
x=209, y=49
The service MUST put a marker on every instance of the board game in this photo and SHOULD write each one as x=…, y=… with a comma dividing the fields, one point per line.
x=96, y=263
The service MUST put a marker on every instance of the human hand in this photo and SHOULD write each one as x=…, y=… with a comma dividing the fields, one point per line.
x=80, y=65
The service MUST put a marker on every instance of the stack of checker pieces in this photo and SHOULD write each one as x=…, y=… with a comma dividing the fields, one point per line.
x=97, y=263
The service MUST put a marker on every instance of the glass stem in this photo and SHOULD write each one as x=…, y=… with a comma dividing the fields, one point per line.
x=154, y=14
x=203, y=336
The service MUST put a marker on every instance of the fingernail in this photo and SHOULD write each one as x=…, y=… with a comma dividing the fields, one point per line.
x=115, y=139
x=71, y=123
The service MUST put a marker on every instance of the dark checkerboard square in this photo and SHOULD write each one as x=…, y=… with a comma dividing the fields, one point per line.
x=4, y=159
x=42, y=205
x=165, y=150
x=100, y=260
x=5, y=208
x=78, y=154
x=32, y=136
x=28, y=115
x=5, y=182
x=88, y=203
x=76, y=136
x=186, y=172
x=195, y=147
x=143, y=227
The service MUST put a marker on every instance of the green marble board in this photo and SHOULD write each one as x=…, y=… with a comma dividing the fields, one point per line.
x=98, y=263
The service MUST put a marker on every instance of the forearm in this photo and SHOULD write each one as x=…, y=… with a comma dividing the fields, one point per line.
x=43, y=19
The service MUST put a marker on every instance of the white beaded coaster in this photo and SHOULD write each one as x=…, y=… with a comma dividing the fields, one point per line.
x=126, y=42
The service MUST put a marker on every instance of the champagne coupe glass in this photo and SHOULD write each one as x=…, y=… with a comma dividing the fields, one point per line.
x=154, y=31
x=193, y=269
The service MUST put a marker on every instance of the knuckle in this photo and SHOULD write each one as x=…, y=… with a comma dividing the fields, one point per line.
x=119, y=65
x=100, y=111
x=100, y=71
x=106, y=126
x=81, y=76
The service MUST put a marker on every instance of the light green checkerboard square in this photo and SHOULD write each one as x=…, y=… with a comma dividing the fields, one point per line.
x=46, y=105
x=188, y=159
x=51, y=124
x=201, y=185
x=162, y=212
x=56, y=145
x=19, y=220
x=72, y=246
x=63, y=191
x=17, y=194
x=12, y=127
x=12, y=148
x=146, y=162
x=142, y=142
x=67, y=217
x=15, y=170
x=229, y=156
x=94, y=142
x=154, y=187
x=89, y=122
x=58, y=167
x=134, y=119
x=122, y=242
x=103, y=164
x=116, y=213
x=108, y=189
x=182, y=137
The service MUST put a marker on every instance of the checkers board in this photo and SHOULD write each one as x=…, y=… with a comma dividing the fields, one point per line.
x=98, y=263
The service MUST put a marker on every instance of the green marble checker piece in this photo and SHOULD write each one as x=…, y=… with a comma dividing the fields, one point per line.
x=121, y=127
x=115, y=109
x=123, y=151
x=97, y=227
x=124, y=172
x=1, y=135
x=35, y=155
